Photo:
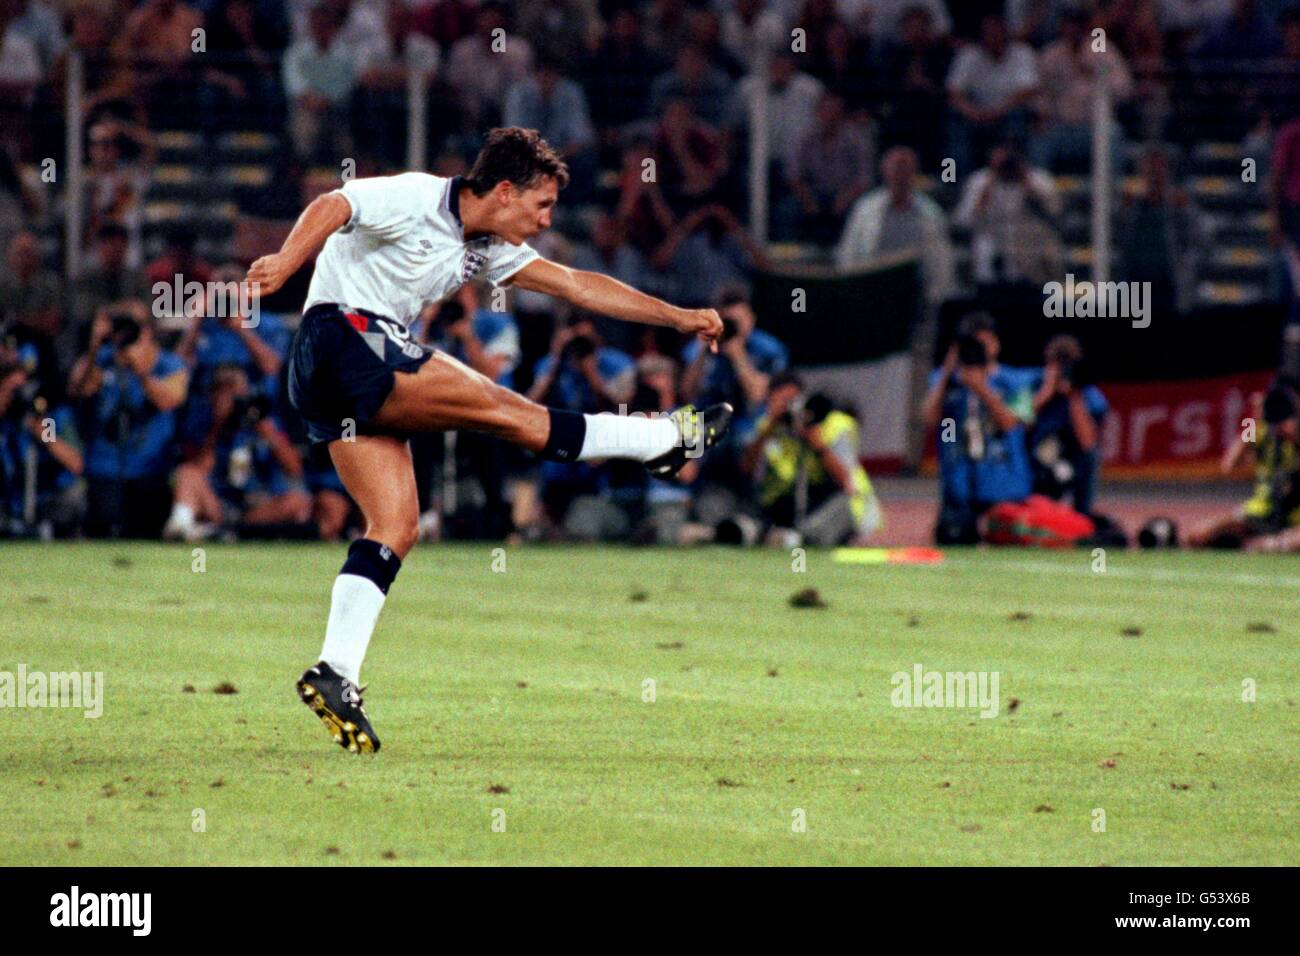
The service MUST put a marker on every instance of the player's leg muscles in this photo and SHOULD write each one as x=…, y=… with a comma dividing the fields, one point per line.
x=378, y=474
x=445, y=394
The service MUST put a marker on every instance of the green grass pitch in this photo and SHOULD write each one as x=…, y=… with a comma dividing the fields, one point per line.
x=516, y=730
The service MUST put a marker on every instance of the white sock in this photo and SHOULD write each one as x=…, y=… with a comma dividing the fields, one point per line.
x=182, y=515
x=354, y=609
x=627, y=436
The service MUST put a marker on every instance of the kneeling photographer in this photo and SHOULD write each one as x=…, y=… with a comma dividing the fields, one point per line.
x=978, y=408
x=1068, y=413
x=41, y=491
x=132, y=389
x=804, y=455
x=247, y=477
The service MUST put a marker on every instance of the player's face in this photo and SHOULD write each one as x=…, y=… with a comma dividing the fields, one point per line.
x=529, y=212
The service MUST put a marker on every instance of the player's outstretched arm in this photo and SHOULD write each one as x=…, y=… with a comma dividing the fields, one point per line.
x=608, y=296
x=323, y=216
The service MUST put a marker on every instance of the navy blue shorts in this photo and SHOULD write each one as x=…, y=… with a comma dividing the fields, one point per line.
x=341, y=367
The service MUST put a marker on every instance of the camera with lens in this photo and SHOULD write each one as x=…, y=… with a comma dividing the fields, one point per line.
x=580, y=347
x=124, y=330
x=250, y=409
x=971, y=351
x=807, y=410
x=1075, y=371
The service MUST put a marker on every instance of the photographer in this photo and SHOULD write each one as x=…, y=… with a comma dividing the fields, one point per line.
x=1270, y=519
x=40, y=458
x=246, y=475
x=579, y=374
x=747, y=358
x=978, y=409
x=133, y=389
x=1011, y=210
x=805, y=456
x=219, y=335
x=582, y=374
x=1068, y=412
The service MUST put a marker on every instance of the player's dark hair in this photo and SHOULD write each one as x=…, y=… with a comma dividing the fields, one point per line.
x=518, y=156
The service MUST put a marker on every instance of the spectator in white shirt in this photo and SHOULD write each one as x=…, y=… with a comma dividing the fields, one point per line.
x=990, y=88
x=1068, y=70
x=319, y=80
x=896, y=219
x=747, y=27
x=1011, y=210
x=792, y=98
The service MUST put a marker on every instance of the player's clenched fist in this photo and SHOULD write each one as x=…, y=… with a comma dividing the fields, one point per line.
x=267, y=274
x=706, y=323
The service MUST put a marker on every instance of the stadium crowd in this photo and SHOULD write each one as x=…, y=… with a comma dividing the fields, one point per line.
x=118, y=418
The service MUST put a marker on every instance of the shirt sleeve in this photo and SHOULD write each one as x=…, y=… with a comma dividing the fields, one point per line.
x=384, y=205
x=504, y=260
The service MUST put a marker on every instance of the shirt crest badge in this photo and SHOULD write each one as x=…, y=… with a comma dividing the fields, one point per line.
x=471, y=264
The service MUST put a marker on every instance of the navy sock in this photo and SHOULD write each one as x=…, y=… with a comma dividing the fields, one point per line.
x=373, y=561
x=568, y=431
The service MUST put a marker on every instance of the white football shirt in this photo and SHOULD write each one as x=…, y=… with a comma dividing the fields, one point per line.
x=405, y=246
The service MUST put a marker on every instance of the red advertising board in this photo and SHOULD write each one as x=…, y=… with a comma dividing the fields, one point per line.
x=1178, y=428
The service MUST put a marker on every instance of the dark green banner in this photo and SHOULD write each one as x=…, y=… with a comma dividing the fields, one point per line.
x=845, y=318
